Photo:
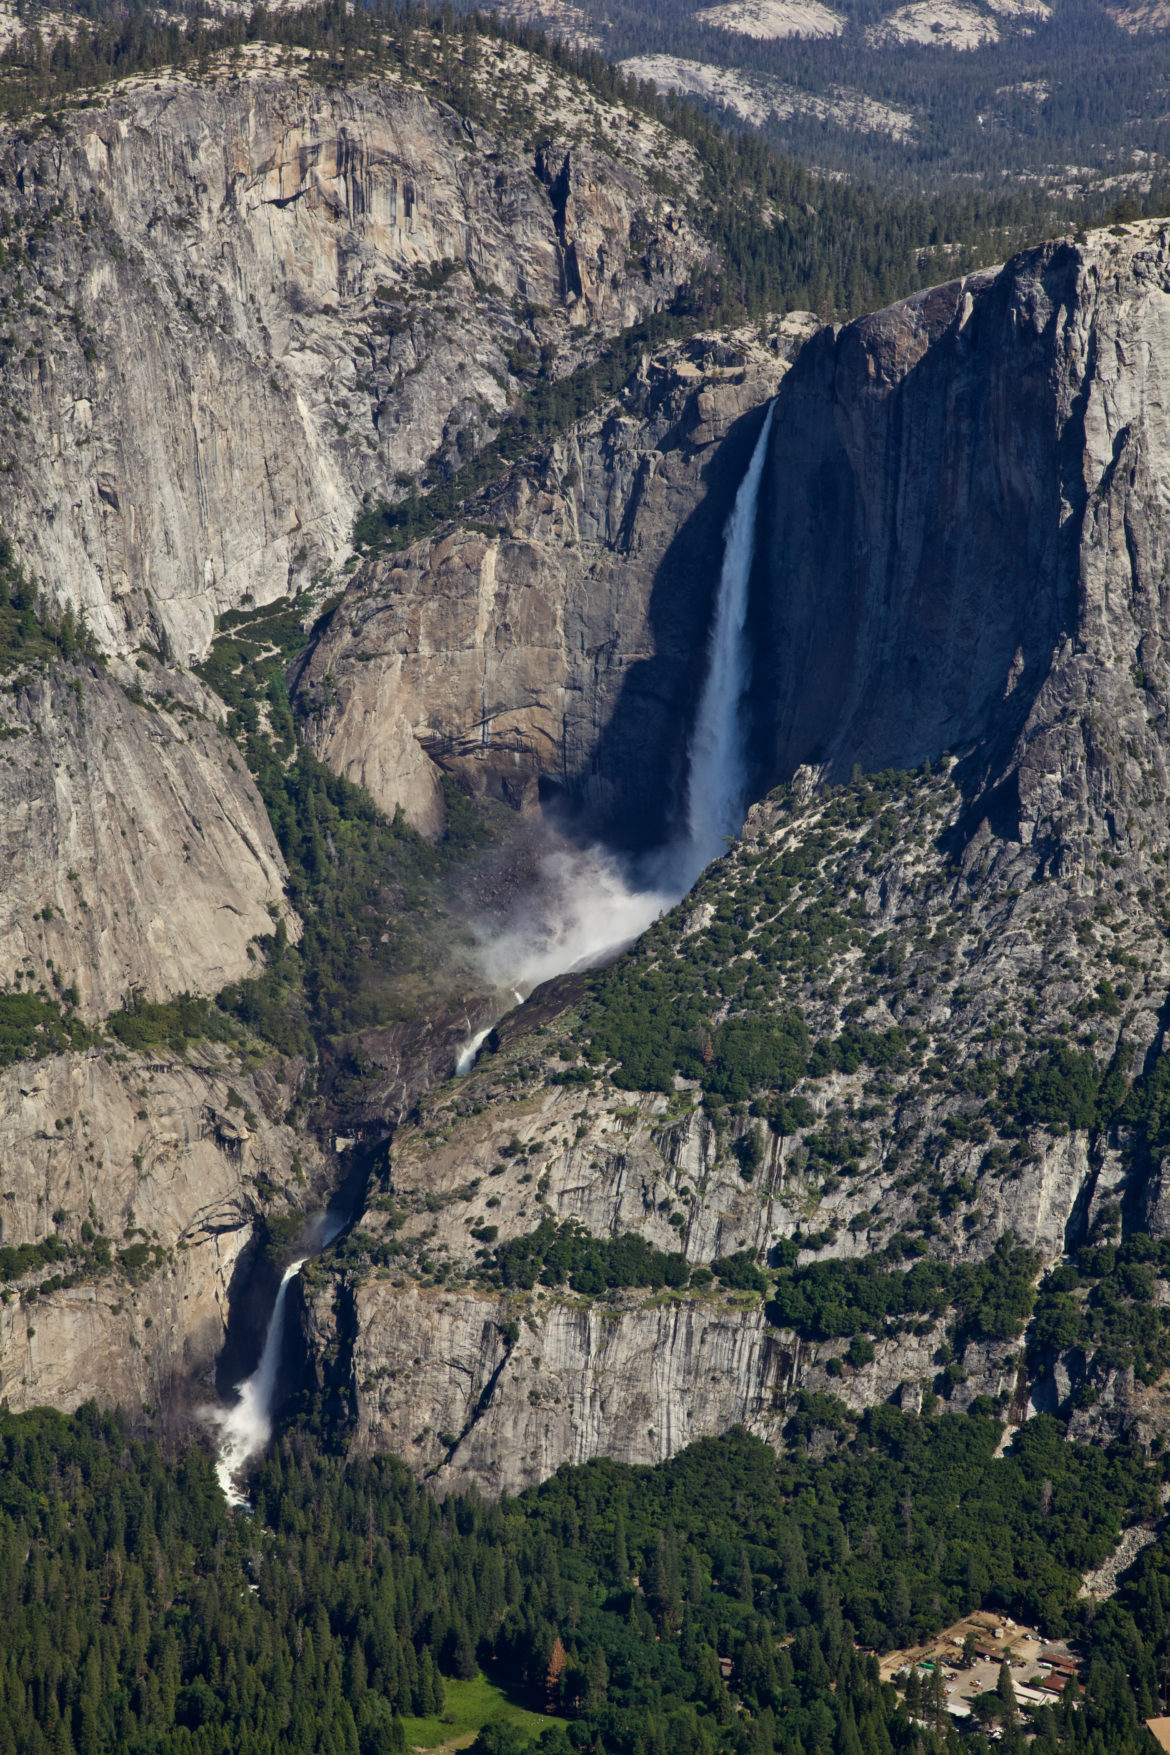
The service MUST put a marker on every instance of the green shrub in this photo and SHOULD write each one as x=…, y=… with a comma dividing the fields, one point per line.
x=740, y=1272
x=554, y=1254
x=17, y=1260
x=31, y=1028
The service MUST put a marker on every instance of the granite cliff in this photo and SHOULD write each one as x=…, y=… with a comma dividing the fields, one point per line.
x=553, y=650
x=133, y=1184
x=239, y=306
x=236, y=308
x=912, y=1021
x=139, y=857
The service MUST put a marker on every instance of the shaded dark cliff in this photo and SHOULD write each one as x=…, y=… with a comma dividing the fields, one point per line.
x=922, y=517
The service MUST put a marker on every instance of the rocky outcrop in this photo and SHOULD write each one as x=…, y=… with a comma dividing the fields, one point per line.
x=557, y=646
x=442, y=1382
x=471, y=1383
x=138, y=857
x=150, y=1173
x=251, y=302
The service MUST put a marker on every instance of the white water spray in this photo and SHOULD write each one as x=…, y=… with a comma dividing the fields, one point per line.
x=247, y=1427
x=589, y=909
x=465, y=1059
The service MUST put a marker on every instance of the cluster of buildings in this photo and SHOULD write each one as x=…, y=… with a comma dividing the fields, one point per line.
x=967, y=1659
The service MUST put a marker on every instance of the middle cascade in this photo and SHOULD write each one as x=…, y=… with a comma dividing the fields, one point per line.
x=594, y=905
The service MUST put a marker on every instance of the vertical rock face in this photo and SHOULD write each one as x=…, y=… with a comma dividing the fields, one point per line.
x=254, y=300
x=474, y=1385
x=148, y=1174
x=563, y=651
x=446, y=1387
x=961, y=532
x=138, y=856
x=913, y=486
x=139, y=864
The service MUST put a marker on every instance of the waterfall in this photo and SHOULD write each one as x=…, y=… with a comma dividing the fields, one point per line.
x=717, y=777
x=465, y=1059
x=589, y=906
x=246, y=1428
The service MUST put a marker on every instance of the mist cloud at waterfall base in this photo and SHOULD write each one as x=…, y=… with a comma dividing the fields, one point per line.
x=584, y=907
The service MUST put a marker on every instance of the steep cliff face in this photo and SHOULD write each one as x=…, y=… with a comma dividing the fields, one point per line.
x=238, y=305
x=562, y=652
x=963, y=507
x=138, y=856
x=140, y=863
x=145, y=1176
x=975, y=950
x=582, y=1380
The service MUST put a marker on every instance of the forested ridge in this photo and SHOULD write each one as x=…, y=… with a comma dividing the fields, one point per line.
x=1070, y=96
x=786, y=237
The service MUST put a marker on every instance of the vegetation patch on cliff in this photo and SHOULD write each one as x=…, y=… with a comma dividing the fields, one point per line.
x=552, y=1254
x=378, y=938
x=993, y=1299
x=32, y=1027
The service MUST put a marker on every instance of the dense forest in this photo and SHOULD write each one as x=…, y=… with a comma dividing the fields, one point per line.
x=728, y=1601
x=1071, y=96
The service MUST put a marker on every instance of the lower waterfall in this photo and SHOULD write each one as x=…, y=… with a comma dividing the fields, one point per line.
x=246, y=1428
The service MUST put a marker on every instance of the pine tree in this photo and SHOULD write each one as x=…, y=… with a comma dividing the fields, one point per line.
x=596, y=1680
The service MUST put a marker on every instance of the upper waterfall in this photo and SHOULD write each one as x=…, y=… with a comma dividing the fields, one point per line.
x=590, y=905
x=717, y=777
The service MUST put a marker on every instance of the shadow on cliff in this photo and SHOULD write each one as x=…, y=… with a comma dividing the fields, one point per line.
x=914, y=575
x=251, y=1296
x=261, y=1264
x=633, y=792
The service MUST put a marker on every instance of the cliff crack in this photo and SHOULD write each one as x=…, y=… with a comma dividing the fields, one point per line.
x=509, y=1335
